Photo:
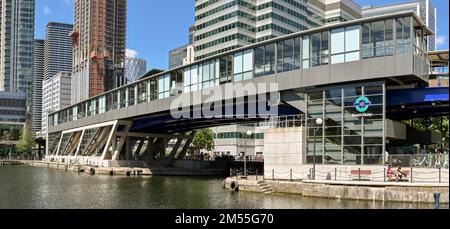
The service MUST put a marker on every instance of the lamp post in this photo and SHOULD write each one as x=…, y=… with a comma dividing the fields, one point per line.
x=249, y=134
x=319, y=123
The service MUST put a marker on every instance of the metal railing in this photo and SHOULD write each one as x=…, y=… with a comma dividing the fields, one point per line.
x=249, y=158
x=419, y=160
x=409, y=175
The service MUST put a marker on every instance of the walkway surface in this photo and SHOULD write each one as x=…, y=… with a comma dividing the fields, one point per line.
x=349, y=183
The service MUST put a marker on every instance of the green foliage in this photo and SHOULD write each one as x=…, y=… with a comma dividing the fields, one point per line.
x=6, y=136
x=25, y=144
x=204, y=140
x=435, y=126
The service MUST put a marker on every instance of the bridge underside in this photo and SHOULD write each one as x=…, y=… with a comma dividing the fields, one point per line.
x=153, y=140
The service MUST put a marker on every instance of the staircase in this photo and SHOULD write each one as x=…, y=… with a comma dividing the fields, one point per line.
x=265, y=188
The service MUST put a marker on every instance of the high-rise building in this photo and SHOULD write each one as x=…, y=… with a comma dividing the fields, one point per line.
x=38, y=77
x=423, y=8
x=225, y=25
x=134, y=68
x=176, y=56
x=184, y=54
x=99, y=47
x=13, y=114
x=58, y=49
x=16, y=46
x=56, y=95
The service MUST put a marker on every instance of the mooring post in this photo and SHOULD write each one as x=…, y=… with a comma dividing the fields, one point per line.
x=291, y=175
x=437, y=200
x=273, y=174
x=335, y=174
x=440, y=175
x=359, y=174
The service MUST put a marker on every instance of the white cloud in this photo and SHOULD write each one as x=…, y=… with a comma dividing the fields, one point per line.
x=47, y=10
x=440, y=40
x=131, y=53
x=68, y=2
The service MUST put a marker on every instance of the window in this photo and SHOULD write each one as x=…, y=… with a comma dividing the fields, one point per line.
x=285, y=56
x=315, y=49
x=377, y=38
x=352, y=43
x=259, y=61
x=269, y=59
x=297, y=53
x=208, y=75
x=389, y=38
x=265, y=60
x=243, y=66
x=225, y=66
x=325, y=47
x=403, y=33
x=164, y=87
x=131, y=95
x=345, y=45
x=305, y=45
x=366, y=45
x=288, y=54
x=142, y=92
x=337, y=46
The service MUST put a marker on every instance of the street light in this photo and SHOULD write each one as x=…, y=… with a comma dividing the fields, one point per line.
x=319, y=123
x=249, y=134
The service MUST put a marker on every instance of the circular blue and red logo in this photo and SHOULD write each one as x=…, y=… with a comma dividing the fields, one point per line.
x=362, y=104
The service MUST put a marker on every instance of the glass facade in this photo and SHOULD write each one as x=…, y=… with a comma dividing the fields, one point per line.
x=332, y=45
x=347, y=136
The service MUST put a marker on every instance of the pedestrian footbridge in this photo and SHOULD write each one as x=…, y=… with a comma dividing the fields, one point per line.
x=156, y=118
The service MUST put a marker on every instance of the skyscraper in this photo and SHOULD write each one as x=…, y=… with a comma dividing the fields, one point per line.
x=58, y=49
x=423, y=8
x=38, y=77
x=225, y=25
x=16, y=46
x=55, y=96
x=134, y=68
x=99, y=47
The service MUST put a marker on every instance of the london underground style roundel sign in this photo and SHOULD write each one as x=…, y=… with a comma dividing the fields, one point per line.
x=362, y=104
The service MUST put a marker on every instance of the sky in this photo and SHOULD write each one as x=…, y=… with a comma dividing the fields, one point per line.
x=156, y=26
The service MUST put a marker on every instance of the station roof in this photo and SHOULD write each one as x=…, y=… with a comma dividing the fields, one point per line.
x=438, y=58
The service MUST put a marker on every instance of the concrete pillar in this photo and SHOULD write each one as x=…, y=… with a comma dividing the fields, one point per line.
x=128, y=153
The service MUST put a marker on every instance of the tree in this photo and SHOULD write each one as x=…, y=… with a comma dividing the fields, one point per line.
x=435, y=125
x=25, y=144
x=204, y=140
x=6, y=136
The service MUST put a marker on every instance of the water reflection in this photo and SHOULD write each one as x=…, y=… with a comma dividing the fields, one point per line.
x=26, y=187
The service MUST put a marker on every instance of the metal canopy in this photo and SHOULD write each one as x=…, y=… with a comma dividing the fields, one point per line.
x=405, y=104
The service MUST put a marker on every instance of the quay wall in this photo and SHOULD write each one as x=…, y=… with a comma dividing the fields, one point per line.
x=413, y=193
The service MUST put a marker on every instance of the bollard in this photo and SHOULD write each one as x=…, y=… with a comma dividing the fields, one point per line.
x=440, y=175
x=384, y=175
x=411, y=174
x=335, y=174
x=437, y=200
x=273, y=174
x=291, y=175
x=359, y=174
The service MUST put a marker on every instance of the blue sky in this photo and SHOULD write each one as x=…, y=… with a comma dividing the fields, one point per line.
x=156, y=26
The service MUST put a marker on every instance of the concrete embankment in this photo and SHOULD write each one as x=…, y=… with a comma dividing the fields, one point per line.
x=4, y=163
x=127, y=171
x=370, y=191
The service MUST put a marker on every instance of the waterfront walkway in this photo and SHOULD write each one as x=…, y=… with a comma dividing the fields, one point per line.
x=352, y=190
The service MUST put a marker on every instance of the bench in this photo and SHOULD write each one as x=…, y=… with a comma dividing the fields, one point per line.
x=361, y=175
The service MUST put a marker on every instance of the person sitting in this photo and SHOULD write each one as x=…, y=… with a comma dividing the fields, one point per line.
x=390, y=173
x=399, y=174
